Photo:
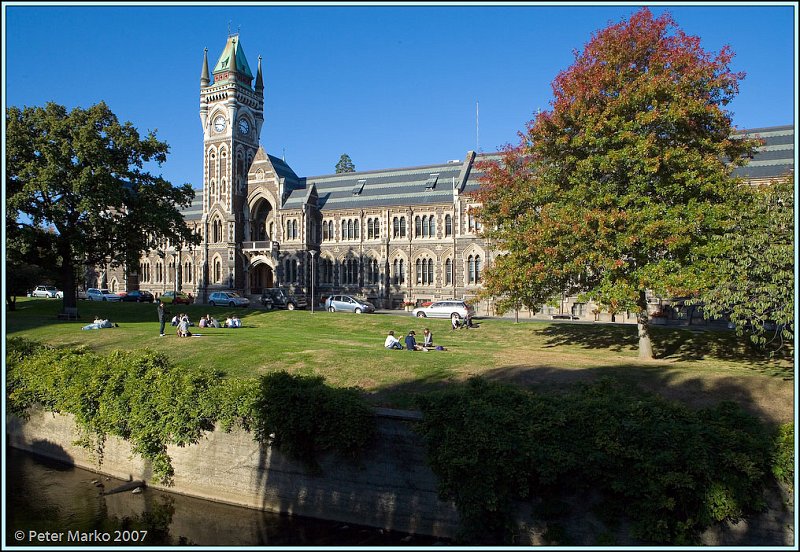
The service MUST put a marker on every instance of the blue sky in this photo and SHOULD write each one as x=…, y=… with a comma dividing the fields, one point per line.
x=392, y=86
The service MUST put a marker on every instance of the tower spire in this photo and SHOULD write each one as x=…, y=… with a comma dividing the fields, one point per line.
x=234, y=69
x=204, y=80
x=259, y=78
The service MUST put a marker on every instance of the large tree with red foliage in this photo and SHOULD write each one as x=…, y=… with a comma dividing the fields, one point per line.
x=615, y=191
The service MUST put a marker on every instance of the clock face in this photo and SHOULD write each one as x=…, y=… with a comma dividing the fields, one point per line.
x=244, y=126
x=219, y=123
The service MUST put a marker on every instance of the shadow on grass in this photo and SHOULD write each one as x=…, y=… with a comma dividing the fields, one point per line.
x=678, y=344
x=770, y=399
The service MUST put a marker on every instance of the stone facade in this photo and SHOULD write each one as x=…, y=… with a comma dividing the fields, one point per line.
x=391, y=236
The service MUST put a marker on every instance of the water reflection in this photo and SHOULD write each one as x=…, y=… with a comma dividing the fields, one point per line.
x=66, y=503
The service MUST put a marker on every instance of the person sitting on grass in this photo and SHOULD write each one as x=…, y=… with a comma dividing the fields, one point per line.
x=233, y=322
x=183, y=328
x=411, y=342
x=427, y=342
x=392, y=342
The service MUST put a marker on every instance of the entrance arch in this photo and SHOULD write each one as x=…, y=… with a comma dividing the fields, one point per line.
x=261, y=274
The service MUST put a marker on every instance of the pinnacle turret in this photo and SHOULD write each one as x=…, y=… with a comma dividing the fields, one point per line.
x=204, y=78
x=259, y=78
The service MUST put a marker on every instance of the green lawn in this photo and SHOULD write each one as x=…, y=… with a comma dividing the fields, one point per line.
x=698, y=367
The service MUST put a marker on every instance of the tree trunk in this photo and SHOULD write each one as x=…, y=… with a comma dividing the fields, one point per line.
x=643, y=326
x=68, y=278
x=11, y=302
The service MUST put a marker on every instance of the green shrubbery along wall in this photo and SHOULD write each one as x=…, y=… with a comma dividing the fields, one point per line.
x=670, y=470
x=143, y=398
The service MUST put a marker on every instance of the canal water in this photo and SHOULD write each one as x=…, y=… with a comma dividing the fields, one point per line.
x=53, y=504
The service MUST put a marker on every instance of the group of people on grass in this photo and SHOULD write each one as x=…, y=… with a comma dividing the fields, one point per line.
x=99, y=323
x=182, y=323
x=411, y=342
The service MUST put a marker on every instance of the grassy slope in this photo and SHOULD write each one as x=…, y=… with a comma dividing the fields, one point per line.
x=697, y=367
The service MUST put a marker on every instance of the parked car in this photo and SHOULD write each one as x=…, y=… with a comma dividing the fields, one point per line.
x=47, y=291
x=444, y=309
x=230, y=298
x=175, y=297
x=346, y=303
x=281, y=298
x=95, y=294
x=138, y=296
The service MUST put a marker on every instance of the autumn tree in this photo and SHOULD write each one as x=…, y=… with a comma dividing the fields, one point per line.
x=345, y=165
x=752, y=267
x=612, y=192
x=77, y=189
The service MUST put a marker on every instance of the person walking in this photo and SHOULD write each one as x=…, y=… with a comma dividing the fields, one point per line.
x=162, y=317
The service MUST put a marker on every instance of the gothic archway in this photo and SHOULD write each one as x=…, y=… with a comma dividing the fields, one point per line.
x=261, y=276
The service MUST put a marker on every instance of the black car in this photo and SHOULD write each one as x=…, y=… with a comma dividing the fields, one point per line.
x=139, y=296
x=280, y=298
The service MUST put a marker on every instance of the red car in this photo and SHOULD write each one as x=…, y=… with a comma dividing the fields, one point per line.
x=175, y=297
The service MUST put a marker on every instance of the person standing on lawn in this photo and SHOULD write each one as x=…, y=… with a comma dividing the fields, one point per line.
x=162, y=317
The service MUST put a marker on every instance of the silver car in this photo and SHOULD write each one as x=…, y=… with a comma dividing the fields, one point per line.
x=444, y=309
x=229, y=298
x=346, y=303
x=47, y=291
x=95, y=294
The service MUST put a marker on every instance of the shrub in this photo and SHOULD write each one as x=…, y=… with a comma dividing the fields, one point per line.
x=671, y=470
x=783, y=455
x=305, y=418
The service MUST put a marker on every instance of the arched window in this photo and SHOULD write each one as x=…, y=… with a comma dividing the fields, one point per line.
x=432, y=226
x=356, y=229
x=448, y=225
x=291, y=271
x=474, y=269
x=471, y=270
x=349, y=229
x=402, y=227
x=377, y=224
x=417, y=227
x=398, y=272
x=424, y=272
x=217, y=271
x=395, y=227
x=327, y=271
x=448, y=272
x=325, y=233
x=373, y=274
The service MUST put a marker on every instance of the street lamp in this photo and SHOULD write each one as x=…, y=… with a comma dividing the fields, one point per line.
x=312, y=279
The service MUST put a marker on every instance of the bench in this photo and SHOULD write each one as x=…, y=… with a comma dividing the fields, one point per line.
x=563, y=317
x=70, y=313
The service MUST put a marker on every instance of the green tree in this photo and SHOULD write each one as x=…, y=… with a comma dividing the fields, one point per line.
x=345, y=165
x=612, y=192
x=76, y=187
x=752, y=267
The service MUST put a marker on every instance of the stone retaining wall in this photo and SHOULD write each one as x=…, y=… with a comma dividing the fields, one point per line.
x=393, y=489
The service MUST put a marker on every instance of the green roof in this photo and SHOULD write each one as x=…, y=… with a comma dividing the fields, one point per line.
x=241, y=61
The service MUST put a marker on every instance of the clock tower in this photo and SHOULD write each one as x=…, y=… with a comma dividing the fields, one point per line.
x=231, y=114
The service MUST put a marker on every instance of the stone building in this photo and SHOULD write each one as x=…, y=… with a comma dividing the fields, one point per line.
x=391, y=236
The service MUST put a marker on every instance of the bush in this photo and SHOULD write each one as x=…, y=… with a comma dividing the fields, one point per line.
x=140, y=397
x=672, y=471
x=305, y=418
x=783, y=456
